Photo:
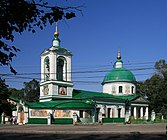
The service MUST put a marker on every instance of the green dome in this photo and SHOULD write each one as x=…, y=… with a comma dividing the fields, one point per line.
x=119, y=74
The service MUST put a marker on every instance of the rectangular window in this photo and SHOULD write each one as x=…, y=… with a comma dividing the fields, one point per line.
x=119, y=112
x=109, y=111
x=132, y=89
x=81, y=113
x=120, y=89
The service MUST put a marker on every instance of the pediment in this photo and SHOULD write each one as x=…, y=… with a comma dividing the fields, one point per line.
x=141, y=100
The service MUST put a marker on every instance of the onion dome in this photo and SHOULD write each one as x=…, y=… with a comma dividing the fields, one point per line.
x=119, y=74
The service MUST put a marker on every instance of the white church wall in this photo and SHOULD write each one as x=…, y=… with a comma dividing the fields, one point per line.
x=113, y=88
x=55, y=90
x=53, y=62
x=69, y=91
x=42, y=69
x=122, y=112
x=69, y=70
x=41, y=91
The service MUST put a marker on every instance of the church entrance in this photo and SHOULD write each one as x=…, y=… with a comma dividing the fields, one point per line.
x=21, y=117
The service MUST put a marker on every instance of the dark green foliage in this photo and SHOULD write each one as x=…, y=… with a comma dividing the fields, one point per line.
x=156, y=88
x=20, y=15
x=31, y=91
x=18, y=94
x=4, y=94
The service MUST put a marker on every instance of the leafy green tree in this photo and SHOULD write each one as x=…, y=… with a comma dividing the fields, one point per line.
x=19, y=94
x=20, y=15
x=32, y=91
x=156, y=88
x=4, y=95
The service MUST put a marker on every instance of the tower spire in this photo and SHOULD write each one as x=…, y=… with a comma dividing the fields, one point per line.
x=56, y=33
x=119, y=54
x=56, y=40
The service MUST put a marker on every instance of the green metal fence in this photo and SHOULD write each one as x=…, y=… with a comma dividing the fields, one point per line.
x=62, y=121
x=113, y=120
x=37, y=120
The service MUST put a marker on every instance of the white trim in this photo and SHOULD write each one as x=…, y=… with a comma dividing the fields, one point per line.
x=52, y=96
x=109, y=103
x=67, y=83
x=145, y=105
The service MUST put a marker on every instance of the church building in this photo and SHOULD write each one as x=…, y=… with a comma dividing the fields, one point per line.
x=61, y=103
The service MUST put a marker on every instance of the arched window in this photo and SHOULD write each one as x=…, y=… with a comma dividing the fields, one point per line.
x=132, y=89
x=61, y=69
x=120, y=89
x=46, y=68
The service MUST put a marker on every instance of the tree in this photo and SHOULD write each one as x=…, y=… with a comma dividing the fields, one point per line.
x=4, y=95
x=32, y=91
x=161, y=67
x=19, y=94
x=20, y=15
x=156, y=88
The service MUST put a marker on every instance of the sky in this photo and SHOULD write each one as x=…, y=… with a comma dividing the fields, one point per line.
x=137, y=27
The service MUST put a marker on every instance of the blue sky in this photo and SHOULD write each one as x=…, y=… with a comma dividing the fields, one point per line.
x=137, y=27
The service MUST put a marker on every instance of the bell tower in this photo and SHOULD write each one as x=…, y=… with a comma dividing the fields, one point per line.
x=56, y=80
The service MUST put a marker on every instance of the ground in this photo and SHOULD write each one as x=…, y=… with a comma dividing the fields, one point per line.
x=71, y=132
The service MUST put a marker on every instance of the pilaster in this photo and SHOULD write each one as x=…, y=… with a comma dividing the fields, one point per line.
x=146, y=113
x=134, y=112
x=141, y=112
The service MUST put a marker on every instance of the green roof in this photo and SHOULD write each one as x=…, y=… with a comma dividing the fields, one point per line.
x=81, y=100
x=62, y=104
x=129, y=97
x=58, y=48
x=63, y=50
x=82, y=94
x=119, y=74
x=14, y=99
